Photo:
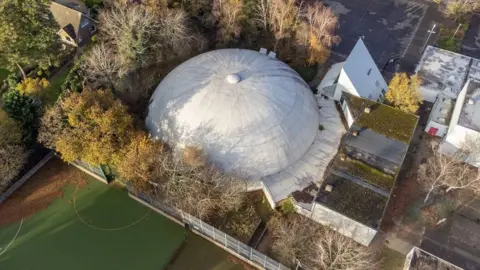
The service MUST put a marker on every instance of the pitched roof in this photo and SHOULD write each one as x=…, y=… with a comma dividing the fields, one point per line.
x=71, y=20
x=70, y=30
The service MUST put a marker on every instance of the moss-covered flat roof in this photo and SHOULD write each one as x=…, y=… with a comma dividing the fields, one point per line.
x=352, y=200
x=382, y=118
x=365, y=172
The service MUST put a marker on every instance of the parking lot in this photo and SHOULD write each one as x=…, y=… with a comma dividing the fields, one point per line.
x=387, y=27
x=471, y=43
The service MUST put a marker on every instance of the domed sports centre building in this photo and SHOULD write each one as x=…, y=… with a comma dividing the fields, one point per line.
x=251, y=114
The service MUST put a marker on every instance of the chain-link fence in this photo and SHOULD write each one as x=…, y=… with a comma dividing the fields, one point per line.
x=229, y=243
x=95, y=171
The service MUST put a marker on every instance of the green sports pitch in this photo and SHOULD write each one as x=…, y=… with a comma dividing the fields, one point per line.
x=100, y=227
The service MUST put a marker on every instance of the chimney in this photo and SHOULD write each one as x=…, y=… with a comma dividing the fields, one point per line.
x=355, y=133
x=328, y=188
x=367, y=110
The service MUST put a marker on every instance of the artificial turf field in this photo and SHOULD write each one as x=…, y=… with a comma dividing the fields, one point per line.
x=110, y=231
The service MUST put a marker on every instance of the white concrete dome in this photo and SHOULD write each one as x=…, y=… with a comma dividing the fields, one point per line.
x=248, y=112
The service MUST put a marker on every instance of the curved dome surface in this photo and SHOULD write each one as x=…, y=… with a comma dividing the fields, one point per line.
x=249, y=112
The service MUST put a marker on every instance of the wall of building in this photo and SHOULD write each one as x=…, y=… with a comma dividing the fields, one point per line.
x=442, y=129
x=428, y=94
x=66, y=38
x=347, y=114
x=364, y=78
x=340, y=223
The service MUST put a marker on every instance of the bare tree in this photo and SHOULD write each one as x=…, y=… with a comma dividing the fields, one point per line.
x=12, y=159
x=142, y=36
x=297, y=239
x=263, y=13
x=277, y=16
x=101, y=65
x=321, y=24
x=13, y=154
x=337, y=252
x=450, y=172
x=202, y=190
x=229, y=14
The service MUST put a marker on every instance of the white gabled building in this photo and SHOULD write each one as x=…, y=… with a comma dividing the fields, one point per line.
x=358, y=75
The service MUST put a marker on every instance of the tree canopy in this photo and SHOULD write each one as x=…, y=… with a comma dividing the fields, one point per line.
x=92, y=126
x=28, y=34
x=13, y=154
x=403, y=92
x=25, y=110
x=33, y=87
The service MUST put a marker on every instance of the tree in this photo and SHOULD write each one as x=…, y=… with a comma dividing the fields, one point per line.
x=403, y=92
x=449, y=172
x=229, y=14
x=335, y=251
x=33, y=87
x=460, y=9
x=51, y=127
x=13, y=154
x=25, y=110
x=94, y=126
x=142, y=36
x=320, y=25
x=299, y=239
x=28, y=34
x=202, y=190
x=101, y=66
x=143, y=162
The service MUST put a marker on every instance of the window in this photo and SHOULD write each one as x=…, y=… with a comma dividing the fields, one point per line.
x=377, y=83
x=369, y=71
x=68, y=39
x=84, y=22
x=383, y=91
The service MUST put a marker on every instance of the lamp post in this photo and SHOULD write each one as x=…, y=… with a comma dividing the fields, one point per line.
x=430, y=32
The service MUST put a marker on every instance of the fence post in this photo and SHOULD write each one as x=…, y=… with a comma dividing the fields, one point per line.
x=214, y=233
x=264, y=261
x=225, y=239
x=238, y=247
x=250, y=253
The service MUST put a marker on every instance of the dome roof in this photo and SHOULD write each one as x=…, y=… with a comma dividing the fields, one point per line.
x=249, y=112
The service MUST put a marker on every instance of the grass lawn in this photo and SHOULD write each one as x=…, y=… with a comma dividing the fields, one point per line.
x=53, y=91
x=446, y=39
x=90, y=225
x=3, y=74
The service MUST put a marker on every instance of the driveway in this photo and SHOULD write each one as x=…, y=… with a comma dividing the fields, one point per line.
x=471, y=42
x=387, y=27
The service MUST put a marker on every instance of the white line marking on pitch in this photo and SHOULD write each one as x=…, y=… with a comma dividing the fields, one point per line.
x=11, y=242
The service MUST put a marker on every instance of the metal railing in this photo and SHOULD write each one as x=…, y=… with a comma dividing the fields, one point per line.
x=229, y=243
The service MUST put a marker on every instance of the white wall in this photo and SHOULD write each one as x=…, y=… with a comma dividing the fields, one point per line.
x=360, y=75
x=442, y=129
x=347, y=114
x=428, y=94
x=340, y=223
